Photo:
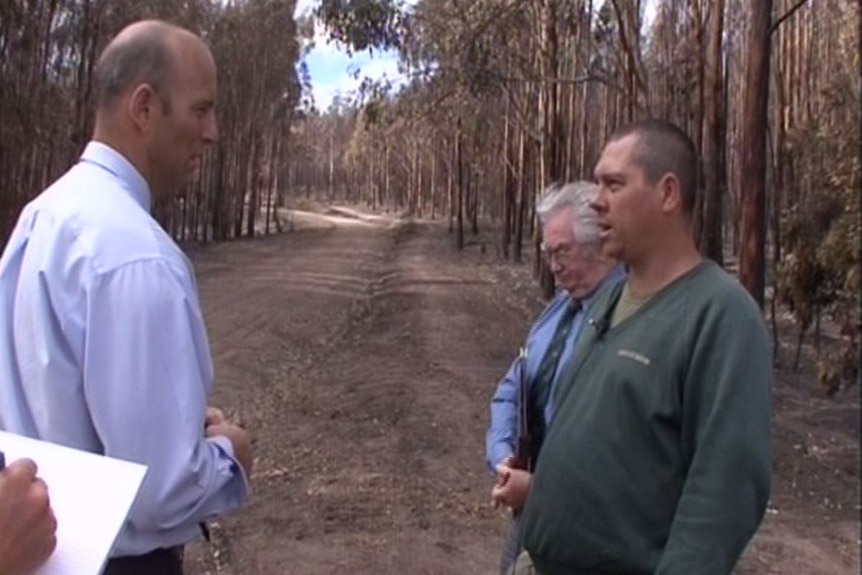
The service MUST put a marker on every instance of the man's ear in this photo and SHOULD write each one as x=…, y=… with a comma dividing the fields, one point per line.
x=142, y=106
x=671, y=193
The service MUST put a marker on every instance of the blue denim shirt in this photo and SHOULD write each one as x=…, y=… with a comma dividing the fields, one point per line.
x=503, y=429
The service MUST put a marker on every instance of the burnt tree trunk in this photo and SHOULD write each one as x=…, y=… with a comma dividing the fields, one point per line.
x=713, y=139
x=753, y=151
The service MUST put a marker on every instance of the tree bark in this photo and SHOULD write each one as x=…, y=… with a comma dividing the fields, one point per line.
x=713, y=138
x=459, y=203
x=753, y=151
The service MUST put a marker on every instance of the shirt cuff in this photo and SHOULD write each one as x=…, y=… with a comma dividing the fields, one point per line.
x=226, y=447
x=497, y=455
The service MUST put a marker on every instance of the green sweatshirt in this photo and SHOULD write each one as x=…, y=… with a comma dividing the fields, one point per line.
x=659, y=457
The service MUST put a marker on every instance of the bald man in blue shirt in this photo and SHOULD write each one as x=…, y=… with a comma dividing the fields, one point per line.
x=103, y=346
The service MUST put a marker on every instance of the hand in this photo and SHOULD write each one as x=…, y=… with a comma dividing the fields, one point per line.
x=27, y=524
x=215, y=416
x=512, y=488
x=501, y=478
x=240, y=441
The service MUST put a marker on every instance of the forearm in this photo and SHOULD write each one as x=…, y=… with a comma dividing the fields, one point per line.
x=228, y=484
x=720, y=510
x=189, y=478
x=502, y=435
x=727, y=431
x=147, y=378
x=503, y=427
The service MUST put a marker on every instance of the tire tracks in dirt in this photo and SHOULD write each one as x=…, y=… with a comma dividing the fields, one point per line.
x=363, y=360
x=362, y=355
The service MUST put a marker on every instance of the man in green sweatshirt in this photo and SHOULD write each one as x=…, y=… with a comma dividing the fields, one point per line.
x=659, y=457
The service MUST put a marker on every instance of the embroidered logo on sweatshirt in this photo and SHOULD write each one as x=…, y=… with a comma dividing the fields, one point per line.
x=634, y=355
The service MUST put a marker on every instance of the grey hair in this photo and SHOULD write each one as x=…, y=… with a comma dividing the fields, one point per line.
x=577, y=196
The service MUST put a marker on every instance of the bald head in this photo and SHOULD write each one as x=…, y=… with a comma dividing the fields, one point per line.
x=142, y=53
x=156, y=93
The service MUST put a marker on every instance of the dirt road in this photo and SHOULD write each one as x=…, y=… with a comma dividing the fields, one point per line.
x=362, y=352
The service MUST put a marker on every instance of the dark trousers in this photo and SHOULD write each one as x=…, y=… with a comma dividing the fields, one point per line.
x=158, y=562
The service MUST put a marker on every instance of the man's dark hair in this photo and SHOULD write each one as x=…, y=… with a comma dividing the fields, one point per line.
x=664, y=148
x=145, y=58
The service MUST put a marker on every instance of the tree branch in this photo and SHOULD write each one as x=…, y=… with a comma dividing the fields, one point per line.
x=785, y=16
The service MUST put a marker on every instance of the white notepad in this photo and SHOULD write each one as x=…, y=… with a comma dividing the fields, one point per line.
x=90, y=495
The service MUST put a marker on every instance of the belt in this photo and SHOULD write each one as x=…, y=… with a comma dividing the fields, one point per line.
x=163, y=561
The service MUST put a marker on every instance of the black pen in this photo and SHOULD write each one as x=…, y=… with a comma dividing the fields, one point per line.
x=2, y=461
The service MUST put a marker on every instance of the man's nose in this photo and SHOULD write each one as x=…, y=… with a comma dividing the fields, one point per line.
x=598, y=203
x=556, y=266
x=211, y=131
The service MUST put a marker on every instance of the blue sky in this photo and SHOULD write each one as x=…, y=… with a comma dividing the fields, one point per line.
x=332, y=70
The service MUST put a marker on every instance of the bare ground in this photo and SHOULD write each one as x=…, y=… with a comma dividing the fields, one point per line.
x=362, y=352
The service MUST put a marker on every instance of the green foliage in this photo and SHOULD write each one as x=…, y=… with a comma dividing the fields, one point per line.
x=799, y=279
x=839, y=249
x=821, y=268
x=364, y=24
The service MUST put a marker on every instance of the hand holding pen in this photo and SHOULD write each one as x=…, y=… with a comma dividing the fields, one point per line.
x=27, y=524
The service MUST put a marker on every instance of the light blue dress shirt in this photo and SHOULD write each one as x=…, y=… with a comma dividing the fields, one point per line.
x=103, y=347
x=503, y=430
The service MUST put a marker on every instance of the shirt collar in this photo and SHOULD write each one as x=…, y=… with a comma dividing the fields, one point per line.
x=618, y=272
x=111, y=160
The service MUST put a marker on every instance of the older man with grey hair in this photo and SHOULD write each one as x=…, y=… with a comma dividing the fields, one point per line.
x=570, y=242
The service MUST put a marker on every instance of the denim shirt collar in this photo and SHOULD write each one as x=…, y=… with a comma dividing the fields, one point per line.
x=617, y=273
